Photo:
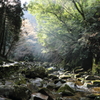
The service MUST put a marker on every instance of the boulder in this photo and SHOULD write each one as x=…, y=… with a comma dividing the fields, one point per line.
x=6, y=91
x=32, y=88
x=36, y=72
x=51, y=85
x=66, y=90
x=20, y=93
x=38, y=82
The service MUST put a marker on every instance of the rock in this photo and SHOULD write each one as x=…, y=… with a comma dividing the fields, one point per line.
x=97, y=98
x=78, y=70
x=51, y=69
x=96, y=90
x=6, y=71
x=79, y=74
x=51, y=85
x=65, y=76
x=96, y=83
x=64, y=98
x=32, y=88
x=6, y=91
x=31, y=74
x=90, y=85
x=70, y=84
x=1, y=62
x=1, y=98
x=66, y=88
x=1, y=83
x=84, y=98
x=46, y=92
x=59, y=80
x=38, y=96
x=36, y=72
x=9, y=82
x=58, y=84
x=67, y=93
x=38, y=82
x=20, y=93
x=91, y=96
x=91, y=77
x=51, y=76
x=19, y=79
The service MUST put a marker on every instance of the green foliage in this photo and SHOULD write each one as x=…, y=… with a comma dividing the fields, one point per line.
x=65, y=26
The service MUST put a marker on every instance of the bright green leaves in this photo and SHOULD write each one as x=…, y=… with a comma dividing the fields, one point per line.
x=61, y=23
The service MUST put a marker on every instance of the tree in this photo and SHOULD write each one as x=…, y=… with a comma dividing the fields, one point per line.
x=27, y=48
x=10, y=13
x=65, y=26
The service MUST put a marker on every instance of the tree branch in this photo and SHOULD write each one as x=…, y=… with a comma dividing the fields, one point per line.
x=80, y=11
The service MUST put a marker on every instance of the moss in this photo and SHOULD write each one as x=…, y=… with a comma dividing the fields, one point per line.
x=67, y=93
x=65, y=87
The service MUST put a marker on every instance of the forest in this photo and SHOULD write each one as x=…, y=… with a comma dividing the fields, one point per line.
x=53, y=56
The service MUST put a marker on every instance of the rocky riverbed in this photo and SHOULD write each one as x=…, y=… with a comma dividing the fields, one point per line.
x=36, y=81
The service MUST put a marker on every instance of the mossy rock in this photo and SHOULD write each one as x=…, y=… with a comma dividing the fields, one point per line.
x=96, y=83
x=92, y=77
x=20, y=81
x=36, y=72
x=41, y=71
x=51, y=76
x=51, y=69
x=6, y=90
x=91, y=96
x=66, y=87
x=78, y=70
x=67, y=93
x=65, y=77
x=20, y=93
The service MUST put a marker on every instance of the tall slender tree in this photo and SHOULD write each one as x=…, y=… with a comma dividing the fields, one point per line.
x=10, y=18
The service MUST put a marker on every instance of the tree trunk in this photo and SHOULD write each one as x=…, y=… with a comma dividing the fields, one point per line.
x=88, y=62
